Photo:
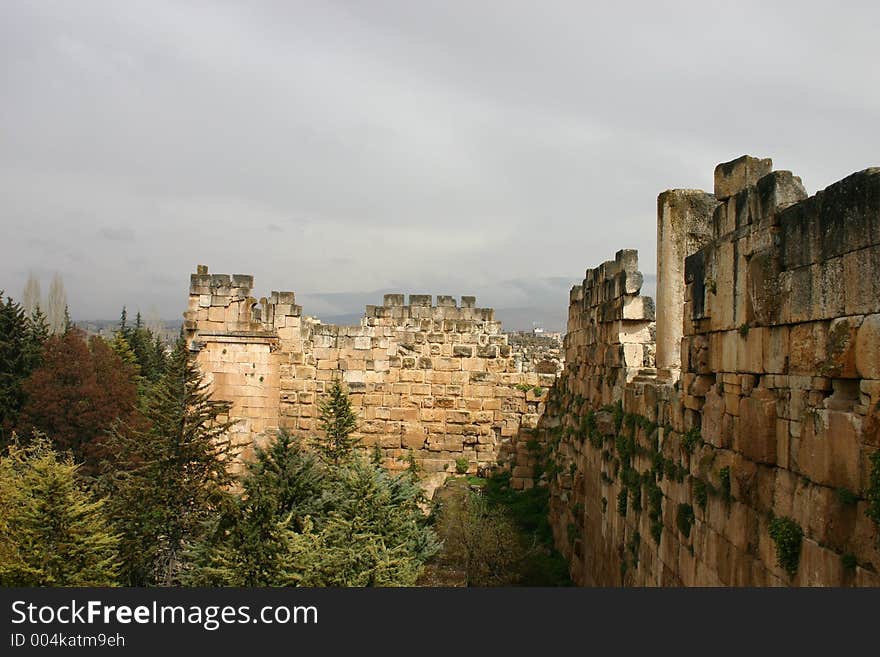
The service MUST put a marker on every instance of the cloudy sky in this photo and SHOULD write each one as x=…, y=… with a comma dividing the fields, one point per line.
x=496, y=148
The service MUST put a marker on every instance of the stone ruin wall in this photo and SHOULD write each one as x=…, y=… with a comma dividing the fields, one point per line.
x=756, y=394
x=438, y=382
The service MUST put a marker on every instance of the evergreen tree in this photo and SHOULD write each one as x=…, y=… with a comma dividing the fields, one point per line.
x=38, y=334
x=68, y=324
x=122, y=349
x=300, y=521
x=18, y=357
x=253, y=542
x=169, y=478
x=338, y=421
x=377, y=534
x=123, y=323
x=52, y=533
x=160, y=356
x=39, y=326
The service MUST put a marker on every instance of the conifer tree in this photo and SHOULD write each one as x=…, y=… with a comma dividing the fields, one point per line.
x=252, y=543
x=377, y=534
x=123, y=323
x=18, y=357
x=39, y=327
x=301, y=521
x=52, y=533
x=122, y=349
x=338, y=421
x=170, y=477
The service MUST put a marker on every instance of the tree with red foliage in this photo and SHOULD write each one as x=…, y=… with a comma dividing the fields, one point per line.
x=81, y=389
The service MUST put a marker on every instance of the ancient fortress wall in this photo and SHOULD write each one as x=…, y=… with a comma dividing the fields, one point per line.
x=438, y=382
x=677, y=450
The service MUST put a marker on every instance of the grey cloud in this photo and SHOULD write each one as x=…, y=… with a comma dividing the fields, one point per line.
x=444, y=147
x=119, y=234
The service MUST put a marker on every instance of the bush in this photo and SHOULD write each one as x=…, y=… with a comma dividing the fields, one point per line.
x=788, y=536
x=684, y=519
x=724, y=476
x=461, y=465
x=701, y=494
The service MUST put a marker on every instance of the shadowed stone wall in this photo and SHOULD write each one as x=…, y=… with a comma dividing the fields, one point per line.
x=765, y=418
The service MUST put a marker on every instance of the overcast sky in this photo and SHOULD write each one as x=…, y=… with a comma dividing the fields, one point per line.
x=440, y=147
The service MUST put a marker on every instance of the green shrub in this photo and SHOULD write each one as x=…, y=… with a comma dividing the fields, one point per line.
x=461, y=465
x=788, y=536
x=701, y=495
x=724, y=476
x=635, y=542
x=847, y=497
x=622, y=501
x=684, y=519
x=873, y=492
x=691, y=440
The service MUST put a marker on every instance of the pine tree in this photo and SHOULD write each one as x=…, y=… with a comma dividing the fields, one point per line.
x=38, y=334
x=122, y=349
x=52, y=533
x=68, y=323
x=252, y=542
x=169, y=478
x=18, y=357
x=301, y=521
x=338, y=421
x=123, y=323
x=160, y=356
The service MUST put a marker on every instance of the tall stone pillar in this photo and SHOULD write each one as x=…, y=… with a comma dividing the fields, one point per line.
x=684, y=226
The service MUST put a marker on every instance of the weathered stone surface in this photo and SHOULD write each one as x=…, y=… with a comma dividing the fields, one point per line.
x=756, y=438
x=867, y=348
x=736, y=175
x=829, y=452
x=684, y=226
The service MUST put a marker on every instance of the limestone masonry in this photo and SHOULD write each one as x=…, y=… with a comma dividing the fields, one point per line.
x=741, y=430
x=730, y=437
x=438, y=381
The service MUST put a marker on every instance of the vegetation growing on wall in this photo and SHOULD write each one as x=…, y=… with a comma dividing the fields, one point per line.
x=788, y=536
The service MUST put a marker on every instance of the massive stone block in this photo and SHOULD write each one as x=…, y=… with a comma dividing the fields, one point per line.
x=684, y=226
x=736, y=175
x=756, y=438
